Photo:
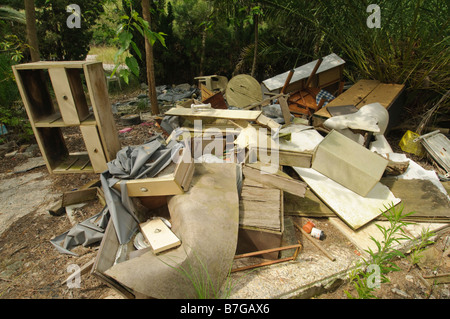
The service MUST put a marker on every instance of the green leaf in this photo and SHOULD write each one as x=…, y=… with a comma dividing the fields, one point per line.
x=125, y=38
x=124, y=74
x=132, y=63
x=138, y=27
x=136, y=49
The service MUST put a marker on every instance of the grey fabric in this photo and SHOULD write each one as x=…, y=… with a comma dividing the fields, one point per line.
x=85, y=233
x=131, y=162
x=143, y=161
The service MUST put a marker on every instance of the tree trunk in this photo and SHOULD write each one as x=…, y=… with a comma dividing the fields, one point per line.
x=31, y=30
x=255, y=53
x=149, y=61
x=202, y=57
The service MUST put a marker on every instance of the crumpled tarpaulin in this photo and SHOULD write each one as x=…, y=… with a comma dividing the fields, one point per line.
x=144, y=161
x=85, y=233
x=131, y=162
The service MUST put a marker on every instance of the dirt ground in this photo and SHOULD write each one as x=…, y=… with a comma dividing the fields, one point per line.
x=31, y=268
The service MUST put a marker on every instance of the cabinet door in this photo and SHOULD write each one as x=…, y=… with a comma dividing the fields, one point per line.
x=94, y=147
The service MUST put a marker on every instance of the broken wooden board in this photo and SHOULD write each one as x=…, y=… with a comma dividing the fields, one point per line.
x=261, y=207
x=422, y=197
x=309, y=206
x=362, y=93
x=354, y=209
x=286, y=158
x=280, y=180
x=159, y=236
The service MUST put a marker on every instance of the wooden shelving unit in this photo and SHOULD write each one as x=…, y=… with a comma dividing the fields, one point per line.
x=69, y=94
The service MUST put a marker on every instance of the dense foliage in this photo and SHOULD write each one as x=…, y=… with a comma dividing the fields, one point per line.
x=411, y=45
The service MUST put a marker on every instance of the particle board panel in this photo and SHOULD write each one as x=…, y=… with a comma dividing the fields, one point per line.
x=354, y=209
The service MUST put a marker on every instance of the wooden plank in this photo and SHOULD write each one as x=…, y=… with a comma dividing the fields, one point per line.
x=55, y=120
x=98, y=92
x=268, y=122
x=257, y=253
x=309, y=206
x=384, y=93
x=247, y=115
x=205, y=93
x=284, y=183
x=79, y=196
x=73, y=164
x=159, y=236
x=63, y=93
x=285, y=110
x=79, y=97
x=53, y=64
x=288, y=158
x=94, y=148
x=353, y=96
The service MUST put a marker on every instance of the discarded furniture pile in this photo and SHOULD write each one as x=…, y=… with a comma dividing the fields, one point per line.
x=236, y=166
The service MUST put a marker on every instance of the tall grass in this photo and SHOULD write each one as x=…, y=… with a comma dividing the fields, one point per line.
x=106, y=54
x=411, y=46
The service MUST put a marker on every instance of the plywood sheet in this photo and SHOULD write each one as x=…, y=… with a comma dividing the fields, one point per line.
x=354, y=209
x=422, y=197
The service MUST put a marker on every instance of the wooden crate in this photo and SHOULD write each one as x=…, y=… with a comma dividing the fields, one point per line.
x=69, y=94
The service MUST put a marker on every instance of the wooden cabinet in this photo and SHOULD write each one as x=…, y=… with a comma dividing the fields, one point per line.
x=61, y=95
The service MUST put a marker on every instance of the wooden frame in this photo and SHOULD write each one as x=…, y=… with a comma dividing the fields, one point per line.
x=70, y=107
